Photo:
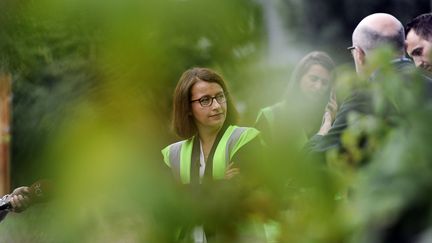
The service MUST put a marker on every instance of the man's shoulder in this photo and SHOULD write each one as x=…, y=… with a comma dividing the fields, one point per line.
x=403, y=65
x=359, y=100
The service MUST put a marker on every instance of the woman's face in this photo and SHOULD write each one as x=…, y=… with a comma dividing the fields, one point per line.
x=208, y=105
x=316, y=82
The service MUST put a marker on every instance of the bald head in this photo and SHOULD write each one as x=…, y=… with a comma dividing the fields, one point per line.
x=377, y=30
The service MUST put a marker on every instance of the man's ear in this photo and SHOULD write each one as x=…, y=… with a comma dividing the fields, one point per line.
x=361, y=56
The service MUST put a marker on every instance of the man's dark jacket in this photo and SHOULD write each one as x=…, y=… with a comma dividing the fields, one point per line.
x=359, y=101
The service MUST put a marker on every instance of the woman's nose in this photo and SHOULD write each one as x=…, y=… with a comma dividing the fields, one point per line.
x=215, y=104
x=318, y=85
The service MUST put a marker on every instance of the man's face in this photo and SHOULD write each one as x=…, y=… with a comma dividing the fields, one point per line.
x=419, y=50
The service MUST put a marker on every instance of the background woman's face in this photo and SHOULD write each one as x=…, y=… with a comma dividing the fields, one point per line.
x=315, y=82
x=211, y=117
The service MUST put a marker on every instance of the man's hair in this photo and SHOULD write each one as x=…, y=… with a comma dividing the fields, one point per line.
x=183, y=122
x=370, y=40
x=422, y=26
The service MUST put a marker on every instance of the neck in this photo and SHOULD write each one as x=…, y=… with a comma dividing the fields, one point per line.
x=208, y=136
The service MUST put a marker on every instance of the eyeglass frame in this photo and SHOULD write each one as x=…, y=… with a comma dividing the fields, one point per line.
x=350, y=48
x=212, y=98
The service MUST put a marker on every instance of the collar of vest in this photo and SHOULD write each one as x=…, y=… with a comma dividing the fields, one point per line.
x=179, y=155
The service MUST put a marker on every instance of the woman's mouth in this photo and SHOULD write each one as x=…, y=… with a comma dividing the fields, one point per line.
x=217, y=115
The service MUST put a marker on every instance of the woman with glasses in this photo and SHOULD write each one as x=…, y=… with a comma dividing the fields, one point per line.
x=308, y=96
x=205, y=117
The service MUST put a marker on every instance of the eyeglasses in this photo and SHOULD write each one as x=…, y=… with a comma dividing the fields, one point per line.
x=207, y=100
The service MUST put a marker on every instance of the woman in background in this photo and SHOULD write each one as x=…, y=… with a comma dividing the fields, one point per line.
x=307, y=104
x=308, y=107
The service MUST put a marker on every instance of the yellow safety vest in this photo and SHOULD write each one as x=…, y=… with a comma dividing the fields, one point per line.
x=178, y=156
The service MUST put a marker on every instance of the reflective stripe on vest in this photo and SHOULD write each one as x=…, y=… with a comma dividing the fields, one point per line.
x=178, y=155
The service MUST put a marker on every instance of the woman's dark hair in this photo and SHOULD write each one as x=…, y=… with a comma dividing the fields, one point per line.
x=312, y=58
x=183, y=122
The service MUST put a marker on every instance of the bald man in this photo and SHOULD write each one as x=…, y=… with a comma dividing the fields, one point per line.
x=374, y=31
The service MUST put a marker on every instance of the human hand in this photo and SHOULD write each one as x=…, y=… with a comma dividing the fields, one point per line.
x=20, y=199
x=231, y=171
x=332, y=106
x=329, y=115
x=326, y=125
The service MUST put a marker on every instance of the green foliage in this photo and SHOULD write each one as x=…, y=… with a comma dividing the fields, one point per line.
x=62, y=53
x=92, y=87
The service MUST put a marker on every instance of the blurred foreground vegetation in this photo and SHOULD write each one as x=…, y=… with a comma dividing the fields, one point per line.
x=92, y=87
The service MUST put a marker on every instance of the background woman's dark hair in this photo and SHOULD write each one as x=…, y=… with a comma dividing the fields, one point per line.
x=183, y=122
x=312, y=58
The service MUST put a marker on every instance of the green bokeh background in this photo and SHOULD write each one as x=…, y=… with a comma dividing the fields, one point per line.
x=92, y=89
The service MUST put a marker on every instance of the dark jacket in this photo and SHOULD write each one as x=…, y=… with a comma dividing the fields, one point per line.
x=360, y=101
